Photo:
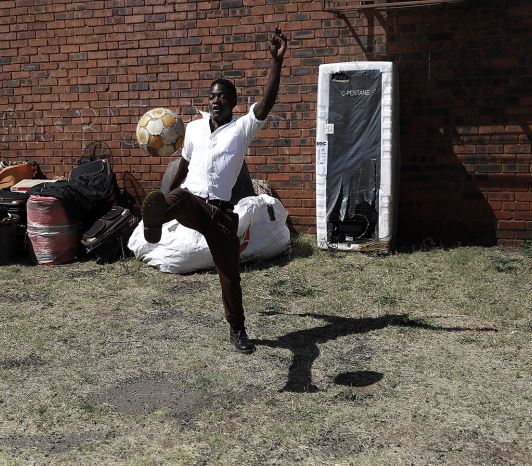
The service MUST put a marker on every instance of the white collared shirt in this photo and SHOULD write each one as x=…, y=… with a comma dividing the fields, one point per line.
x=215, y=159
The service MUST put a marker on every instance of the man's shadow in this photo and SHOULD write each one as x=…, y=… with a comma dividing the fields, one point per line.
x=304, y=343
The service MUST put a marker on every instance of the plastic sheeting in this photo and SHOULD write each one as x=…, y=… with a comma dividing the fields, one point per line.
x=262, y=230
x=53, y=237
x=53, y=245
x=356, y=155
x=354, y=146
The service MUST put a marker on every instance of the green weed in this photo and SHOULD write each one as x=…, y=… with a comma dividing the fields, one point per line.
x=88, y=408
x=386, y=300
x=527, y=247
x=42, y=409
x=507, y=264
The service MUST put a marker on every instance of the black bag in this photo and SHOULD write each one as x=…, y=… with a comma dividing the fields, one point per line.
x=96, y=187
x=97, y=150
x=94, y=175
x=106, y=240
x=89, y=169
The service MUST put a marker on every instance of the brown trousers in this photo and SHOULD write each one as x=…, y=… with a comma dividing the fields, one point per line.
x=220, y=228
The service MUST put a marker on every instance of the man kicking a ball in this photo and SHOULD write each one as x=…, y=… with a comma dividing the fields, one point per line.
x=212, y=156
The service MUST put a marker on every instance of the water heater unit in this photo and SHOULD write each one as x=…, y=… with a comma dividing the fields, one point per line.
x=356, y=155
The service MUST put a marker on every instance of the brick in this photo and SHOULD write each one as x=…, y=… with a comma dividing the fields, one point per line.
x=516, y=167
x=503, y=215
x=78, y=56
x=80, y=88
x=516, y=205
x=511, y=225
x=502, y=196
x=523, y=197
x=523, y=215
x=488, y=167
x=231, y=4
x=504, y=139
x=518, y=149
x=157, y=18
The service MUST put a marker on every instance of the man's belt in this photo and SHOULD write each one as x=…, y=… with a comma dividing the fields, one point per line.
x=224, y=205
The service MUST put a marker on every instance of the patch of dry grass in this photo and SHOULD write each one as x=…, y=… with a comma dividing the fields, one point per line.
x=419, y=358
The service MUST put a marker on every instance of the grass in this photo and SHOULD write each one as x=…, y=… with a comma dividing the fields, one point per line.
x=412, y=358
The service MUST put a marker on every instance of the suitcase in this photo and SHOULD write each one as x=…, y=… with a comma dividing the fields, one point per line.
x=15, y=204
x=106, y=240
x=8, y=237
x=12, y=174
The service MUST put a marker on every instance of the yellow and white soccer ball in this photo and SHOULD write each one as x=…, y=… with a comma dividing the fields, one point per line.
x=160, y=132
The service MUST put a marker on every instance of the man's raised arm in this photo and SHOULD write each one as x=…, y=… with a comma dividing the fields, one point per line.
x=278, y=45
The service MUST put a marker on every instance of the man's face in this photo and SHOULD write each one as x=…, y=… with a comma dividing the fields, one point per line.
x=221, y=104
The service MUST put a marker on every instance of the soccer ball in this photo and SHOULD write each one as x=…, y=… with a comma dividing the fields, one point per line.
x=160, y=132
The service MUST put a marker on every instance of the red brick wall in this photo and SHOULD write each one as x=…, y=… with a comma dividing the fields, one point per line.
x=73, y=72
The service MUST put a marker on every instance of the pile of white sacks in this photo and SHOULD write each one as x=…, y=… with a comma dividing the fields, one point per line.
x=262, y=231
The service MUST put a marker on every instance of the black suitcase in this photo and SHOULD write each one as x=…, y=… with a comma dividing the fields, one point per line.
x=106, y=240
x=8, y=237
x=15, y=203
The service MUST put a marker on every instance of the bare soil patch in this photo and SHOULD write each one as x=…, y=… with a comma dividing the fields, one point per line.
x=54, y=443
x=147, y=393
x=31, y=360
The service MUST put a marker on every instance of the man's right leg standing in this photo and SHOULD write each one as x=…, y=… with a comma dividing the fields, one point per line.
x=220, y=230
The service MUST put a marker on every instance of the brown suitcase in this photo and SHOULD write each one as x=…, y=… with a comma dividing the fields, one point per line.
x=12, y=174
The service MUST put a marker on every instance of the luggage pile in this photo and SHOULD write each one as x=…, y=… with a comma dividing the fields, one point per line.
x=56, y=221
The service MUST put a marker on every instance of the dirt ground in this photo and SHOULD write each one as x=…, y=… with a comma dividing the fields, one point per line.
x=420, y=357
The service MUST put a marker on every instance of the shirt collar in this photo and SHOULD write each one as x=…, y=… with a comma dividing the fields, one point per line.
x=206, y=117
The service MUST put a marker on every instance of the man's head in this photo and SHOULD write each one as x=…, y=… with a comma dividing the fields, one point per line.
x=222, y=100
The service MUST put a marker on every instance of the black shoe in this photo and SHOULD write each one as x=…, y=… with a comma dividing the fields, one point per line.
x=239, y=338
x=153, y=212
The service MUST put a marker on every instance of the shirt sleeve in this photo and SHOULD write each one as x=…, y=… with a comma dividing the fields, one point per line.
x=251, y=125
x=186, y=152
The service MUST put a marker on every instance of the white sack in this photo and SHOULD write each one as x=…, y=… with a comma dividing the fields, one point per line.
x=183, y=250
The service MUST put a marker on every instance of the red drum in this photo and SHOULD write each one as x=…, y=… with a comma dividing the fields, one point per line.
x=53, y=238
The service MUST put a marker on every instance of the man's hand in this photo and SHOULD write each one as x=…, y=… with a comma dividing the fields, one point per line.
x=278, y=44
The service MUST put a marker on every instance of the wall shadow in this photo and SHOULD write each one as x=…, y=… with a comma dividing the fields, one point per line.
x=304, y=343
x=463, y=74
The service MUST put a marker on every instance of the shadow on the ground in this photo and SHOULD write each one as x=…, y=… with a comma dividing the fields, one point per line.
x=358, y=378
x=297, y=249
x=304, y=343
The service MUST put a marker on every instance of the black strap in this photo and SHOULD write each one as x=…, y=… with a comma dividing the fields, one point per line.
x=224, y=205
